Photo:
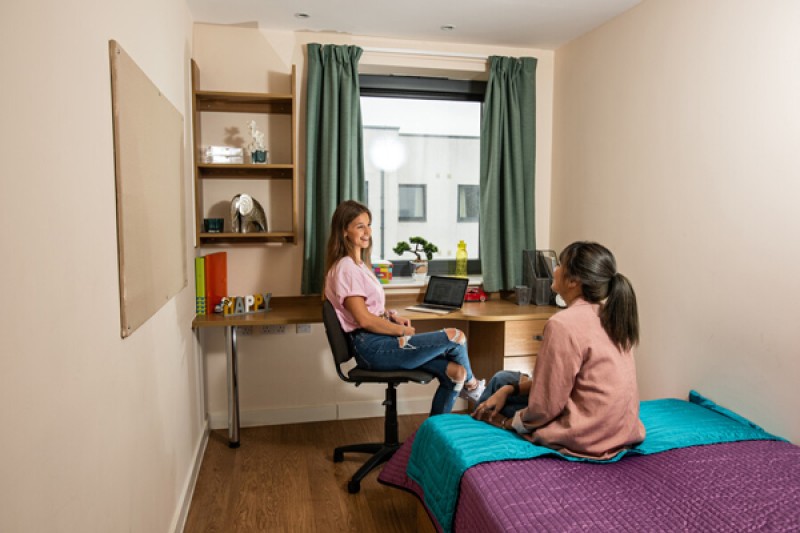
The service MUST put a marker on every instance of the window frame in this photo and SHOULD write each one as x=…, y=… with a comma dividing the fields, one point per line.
x=459, y=218
x=425, y=88
x=421, y=88
x=410, y=186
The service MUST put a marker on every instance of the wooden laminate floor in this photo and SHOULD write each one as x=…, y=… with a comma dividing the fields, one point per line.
x=283, y=478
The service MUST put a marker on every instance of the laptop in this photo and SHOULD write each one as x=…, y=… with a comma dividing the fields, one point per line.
x=443, y=295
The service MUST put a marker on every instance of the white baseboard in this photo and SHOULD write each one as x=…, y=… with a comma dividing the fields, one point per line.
x=319, y=413
x=271, y=417
x=191, y=482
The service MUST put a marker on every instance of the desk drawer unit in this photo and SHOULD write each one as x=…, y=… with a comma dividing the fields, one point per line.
x=521, y=344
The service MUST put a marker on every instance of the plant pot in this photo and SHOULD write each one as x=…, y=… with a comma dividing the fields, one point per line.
x=258, y=156
x=419, y=269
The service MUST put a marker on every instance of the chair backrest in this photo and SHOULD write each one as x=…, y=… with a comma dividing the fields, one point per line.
x=337, y=338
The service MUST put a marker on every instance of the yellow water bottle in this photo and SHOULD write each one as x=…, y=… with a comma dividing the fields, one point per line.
x=461, y=260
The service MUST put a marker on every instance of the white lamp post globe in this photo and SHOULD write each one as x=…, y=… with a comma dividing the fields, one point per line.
x=387, y=153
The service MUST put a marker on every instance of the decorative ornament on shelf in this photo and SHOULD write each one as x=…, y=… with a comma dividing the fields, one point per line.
x=245, y=305
x=247, y=215
x=258, y=152
x=419, y=266
x=383, y=270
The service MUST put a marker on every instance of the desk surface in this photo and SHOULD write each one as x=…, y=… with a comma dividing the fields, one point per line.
x=308, y=310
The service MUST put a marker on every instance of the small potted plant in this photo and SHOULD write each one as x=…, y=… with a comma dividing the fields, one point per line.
x=258, y=153
x=419, y=266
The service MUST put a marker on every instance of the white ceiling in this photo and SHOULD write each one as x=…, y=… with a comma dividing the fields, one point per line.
x=544, y=24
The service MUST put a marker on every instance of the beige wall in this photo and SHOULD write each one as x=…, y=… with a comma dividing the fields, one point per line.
x=99, y=433
x=676, y=137
x=291, y=377
x=675, y=144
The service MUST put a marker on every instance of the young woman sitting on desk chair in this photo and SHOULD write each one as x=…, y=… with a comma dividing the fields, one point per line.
x=382, y=340
x=582, y=399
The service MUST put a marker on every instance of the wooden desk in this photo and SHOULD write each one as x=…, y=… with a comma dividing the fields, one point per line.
x=500, y=334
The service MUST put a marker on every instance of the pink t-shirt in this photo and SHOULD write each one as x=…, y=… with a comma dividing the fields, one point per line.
x=346, y=279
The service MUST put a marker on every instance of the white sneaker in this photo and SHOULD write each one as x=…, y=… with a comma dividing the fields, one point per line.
x=475, y=394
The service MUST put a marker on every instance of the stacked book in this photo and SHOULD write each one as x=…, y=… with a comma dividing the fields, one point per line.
x=222, y=154
x=211, y=282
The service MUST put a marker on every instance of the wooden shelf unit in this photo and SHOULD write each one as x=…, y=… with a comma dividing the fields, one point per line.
x=254, y=103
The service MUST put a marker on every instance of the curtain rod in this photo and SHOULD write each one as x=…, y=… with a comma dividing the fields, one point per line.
x=412, y=51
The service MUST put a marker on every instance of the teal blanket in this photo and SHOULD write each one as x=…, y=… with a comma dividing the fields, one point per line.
x=446, y=446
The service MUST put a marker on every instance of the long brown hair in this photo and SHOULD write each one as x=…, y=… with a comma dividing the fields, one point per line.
x=594, y=266
x=339, y=247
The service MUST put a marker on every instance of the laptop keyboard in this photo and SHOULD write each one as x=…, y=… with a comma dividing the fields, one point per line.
x=432, y=308
x=441, y=307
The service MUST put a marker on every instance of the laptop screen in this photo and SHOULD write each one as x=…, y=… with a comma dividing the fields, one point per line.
x=443, y=290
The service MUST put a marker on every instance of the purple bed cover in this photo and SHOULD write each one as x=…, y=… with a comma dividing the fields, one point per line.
x=738, y=486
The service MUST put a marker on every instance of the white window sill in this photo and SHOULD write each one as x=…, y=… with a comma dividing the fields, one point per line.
x=398, y=283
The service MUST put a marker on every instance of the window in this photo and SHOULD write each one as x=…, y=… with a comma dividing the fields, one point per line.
x=469, y=203
x=411, y=204
x=422, y=144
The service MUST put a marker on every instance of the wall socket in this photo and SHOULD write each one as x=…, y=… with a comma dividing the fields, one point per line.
x=275, y=329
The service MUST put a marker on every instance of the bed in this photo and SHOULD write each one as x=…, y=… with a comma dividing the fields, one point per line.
x=701, y=468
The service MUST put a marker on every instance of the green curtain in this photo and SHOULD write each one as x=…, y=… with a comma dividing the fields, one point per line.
x=508, y=156
x=334, y=148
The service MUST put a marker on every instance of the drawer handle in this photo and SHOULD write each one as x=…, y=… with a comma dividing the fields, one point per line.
x=538, y=337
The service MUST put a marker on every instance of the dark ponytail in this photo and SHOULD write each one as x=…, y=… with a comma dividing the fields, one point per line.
x=594, y=266
x=620, y=315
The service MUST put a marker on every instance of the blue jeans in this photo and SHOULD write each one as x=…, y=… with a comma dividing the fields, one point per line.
x=426, y=351
x=513, y=403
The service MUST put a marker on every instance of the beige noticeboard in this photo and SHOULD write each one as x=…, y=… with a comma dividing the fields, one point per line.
x=148, y=153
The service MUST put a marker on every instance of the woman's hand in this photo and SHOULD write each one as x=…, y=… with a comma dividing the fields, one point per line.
x=406, y=323
x=384, y=324
x=408, y=331
x=487, y=410
x=499, y=422
x=392, y=316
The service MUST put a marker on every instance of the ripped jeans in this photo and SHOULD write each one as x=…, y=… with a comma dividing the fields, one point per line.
x=498, y=381
x=425, y=351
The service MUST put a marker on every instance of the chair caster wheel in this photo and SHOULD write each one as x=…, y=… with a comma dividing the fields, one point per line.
x=338, y=456
x=353, y=486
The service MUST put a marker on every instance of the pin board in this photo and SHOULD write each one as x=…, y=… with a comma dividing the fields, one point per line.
x=148, y=161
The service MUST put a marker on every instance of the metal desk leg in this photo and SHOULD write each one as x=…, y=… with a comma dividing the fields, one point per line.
x=233, y=386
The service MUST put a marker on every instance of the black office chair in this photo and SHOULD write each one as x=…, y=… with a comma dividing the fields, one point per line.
x=343, y=352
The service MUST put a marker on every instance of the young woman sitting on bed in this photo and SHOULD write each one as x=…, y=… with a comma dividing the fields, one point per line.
x=582, y=399
x=381, y=339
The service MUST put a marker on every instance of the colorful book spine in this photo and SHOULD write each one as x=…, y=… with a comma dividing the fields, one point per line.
x=200, y=285
x=216, y=279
